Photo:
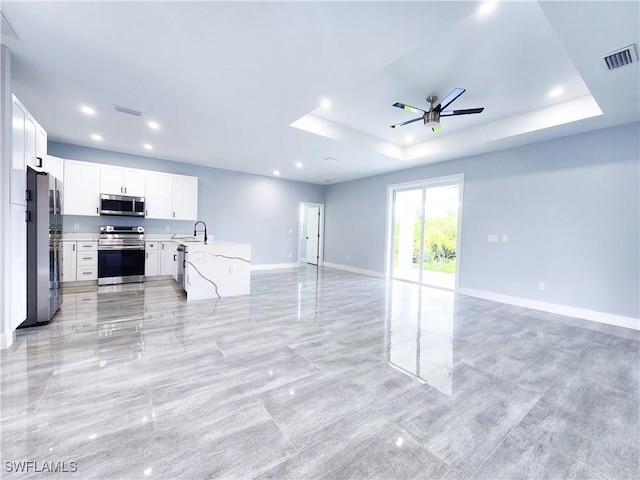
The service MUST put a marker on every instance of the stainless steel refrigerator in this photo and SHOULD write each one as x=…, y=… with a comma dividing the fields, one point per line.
x=44, y=235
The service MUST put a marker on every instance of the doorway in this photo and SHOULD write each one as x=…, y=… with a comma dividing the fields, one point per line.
x=311, y=233
x=424, y=231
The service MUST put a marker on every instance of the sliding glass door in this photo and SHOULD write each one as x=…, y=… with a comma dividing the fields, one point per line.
x=425, y=232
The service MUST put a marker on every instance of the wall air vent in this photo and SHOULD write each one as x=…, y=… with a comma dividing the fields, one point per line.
x=127, y=110
x=621, y=57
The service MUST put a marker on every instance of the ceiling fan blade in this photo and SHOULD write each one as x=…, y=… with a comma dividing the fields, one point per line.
x=455, y=93
x=468, y=111
x=409, y=108
x=404, y=123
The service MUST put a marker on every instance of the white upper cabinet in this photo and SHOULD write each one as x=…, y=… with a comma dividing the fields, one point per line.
x=185, y=197
x=18, y=163
x=122, y=181
x=135, y=182
x=41, y=144
x=30, y=143
x=158, y=197
x=55, y=166
x=81, y=188
x=111, y=179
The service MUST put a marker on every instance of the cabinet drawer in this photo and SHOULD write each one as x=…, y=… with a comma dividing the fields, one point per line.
x=87, y=258
x=87, y=246
x=87, y=273
x=151, y=245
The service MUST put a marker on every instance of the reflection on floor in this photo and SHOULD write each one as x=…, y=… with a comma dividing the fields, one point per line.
x=318, y=374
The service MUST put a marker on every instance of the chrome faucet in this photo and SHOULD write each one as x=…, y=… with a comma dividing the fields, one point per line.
x=195, y=231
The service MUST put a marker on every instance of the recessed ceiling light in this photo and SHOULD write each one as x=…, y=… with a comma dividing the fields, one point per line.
x=556, y=92
x=276, y=173
x=154, y=125
x=487, y=7
x=87, y=110
x=96, y=137
x=147, y=146
x=325, y=103
x=298, y=164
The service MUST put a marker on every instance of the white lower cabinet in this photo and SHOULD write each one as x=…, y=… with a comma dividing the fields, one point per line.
x=79, y=261
x=18, y=267
x=69, y=263
x=151, y=259
x=169, y=259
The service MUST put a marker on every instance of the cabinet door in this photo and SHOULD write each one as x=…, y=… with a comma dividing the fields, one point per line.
x=134, y=182
x=30, y=143
x=18, y=266
x=169, y=259
x=185, y=197
x=158, y=195
x=81, y=188
x=55, y=166
x=151, y=263
x=111, y=179
x=69, y=261
x=18, y=164
x=41, y=143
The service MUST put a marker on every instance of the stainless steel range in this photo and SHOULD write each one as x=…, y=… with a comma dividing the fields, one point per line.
x=120, y=255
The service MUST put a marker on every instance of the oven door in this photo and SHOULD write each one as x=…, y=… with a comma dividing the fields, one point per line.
x=120, y=264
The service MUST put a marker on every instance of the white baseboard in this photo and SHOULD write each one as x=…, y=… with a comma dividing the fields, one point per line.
x=593, y=315
x=338, y=266
x=272, y=266
x=6, y=340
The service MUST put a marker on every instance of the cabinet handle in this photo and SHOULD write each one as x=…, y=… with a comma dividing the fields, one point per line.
x=146, y=255
x=146, y=213
x=174, y=257
x=73, y=247
x=97, y=210
x=125, y=189
x=173, y=214
x=39, y=162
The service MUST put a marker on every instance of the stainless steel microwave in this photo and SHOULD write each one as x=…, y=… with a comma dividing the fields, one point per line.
x=121, y=205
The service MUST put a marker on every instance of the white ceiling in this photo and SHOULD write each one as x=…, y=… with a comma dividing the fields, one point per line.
x=226, y=80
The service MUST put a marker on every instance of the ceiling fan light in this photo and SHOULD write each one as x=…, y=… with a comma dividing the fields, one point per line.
x=433, y=124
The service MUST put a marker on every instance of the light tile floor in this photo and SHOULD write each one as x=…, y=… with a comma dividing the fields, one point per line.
x=318, y=374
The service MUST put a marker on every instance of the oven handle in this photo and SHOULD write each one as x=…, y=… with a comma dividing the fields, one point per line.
x=120, y=247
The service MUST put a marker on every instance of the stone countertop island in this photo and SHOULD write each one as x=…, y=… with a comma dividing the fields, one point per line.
x=217, y=269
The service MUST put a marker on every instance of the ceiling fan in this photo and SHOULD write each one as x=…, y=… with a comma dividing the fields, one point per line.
x=432, y=116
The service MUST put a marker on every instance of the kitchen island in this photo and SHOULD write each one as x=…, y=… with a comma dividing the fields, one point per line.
x=216, y=269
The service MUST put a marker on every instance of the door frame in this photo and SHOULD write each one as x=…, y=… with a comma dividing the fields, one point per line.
x=320, y=230
x=453, y=179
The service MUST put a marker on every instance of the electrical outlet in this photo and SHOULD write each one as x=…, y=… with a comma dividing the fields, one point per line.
x=505, y=238
x=76, y=226
x=542, y=286
x=167, y=228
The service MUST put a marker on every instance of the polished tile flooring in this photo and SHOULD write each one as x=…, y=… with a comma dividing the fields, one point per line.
x=317, y=374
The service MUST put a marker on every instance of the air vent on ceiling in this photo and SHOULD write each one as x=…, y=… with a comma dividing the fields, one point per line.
x=621, y=57
x=6, y=28
x=127, y=110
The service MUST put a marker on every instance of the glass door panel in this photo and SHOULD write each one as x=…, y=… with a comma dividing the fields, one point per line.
x=440, y=231
x=407, y=234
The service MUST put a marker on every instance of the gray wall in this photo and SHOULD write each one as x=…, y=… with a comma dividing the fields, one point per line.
x=239, y=207
x=570, y=207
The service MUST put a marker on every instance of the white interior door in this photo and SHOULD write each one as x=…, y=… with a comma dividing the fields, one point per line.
x=312, y=223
